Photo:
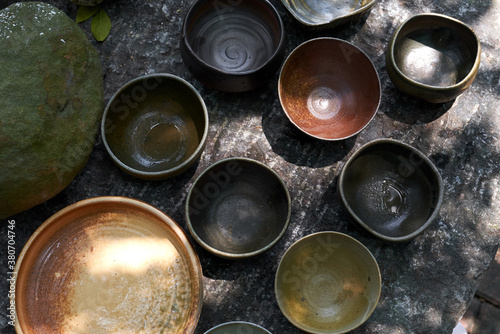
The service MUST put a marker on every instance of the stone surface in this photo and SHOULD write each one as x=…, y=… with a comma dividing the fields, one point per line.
x=429, y=282
x=51, y=104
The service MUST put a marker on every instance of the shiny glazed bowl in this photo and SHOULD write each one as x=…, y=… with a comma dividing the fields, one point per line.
x=155, y=127
x=329, y=89
x=433, y=57
x=322, y=14
x=108, y=264
x=238, y=327
x=391, y=189
x=232, y=46
x=238, y=208
x=327, y=283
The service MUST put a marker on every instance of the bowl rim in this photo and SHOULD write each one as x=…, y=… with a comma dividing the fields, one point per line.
x=412, y=150
x=472, y=73
x=274, y=56
x=250, y=324
x=195, y=264
x=224, y=254
x=338, y=40
x=314, y=235
x=168, y=172
x=286, y=4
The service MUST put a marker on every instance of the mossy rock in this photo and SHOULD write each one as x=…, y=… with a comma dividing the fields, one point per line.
x=50, y=104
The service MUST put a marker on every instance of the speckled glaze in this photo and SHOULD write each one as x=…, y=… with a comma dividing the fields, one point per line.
x=155, y=126
x=323, y=14
x=238, y=208
x=433, y=57
x=327, y=283
x=391, y=189
x=232, y=46
x=98, y=261
x=329, y=89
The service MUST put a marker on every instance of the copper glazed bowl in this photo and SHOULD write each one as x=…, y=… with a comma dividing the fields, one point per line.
x=108, y=265
x=232, y=46
x=329, y=89
x=433, y=57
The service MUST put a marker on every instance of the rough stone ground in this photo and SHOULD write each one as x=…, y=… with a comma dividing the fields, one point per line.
x=428, y=283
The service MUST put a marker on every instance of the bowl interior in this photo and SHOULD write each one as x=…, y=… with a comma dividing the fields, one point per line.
x=327, y=282
x=238, y=327
x=435, y=50
x=104, y=260
x=329, y=89
x=233, y=36
x=318, y=12
x=391, y=189
x=238, y=207
x=154, y=124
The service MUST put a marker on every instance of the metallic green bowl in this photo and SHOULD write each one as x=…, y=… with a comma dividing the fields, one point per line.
x=327, y=283
x=433, y=57
x=155, y=127
x=327, y=14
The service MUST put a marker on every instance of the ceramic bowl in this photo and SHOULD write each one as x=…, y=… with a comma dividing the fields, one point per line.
x=433, y=57
x=108, y=264
x=329, y=89
x=314, y=14
x=391, y=189
x=238, y=208
x=155, y=126
x=232, y=46
x=327, y=282
x=238, y=327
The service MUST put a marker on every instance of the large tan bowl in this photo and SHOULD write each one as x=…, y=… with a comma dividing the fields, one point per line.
x=108, y=265
x=327, y=282
x=329, y=88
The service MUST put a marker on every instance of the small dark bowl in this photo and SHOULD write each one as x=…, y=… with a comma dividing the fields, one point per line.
x=238, y=327
x=232, y=46
x=391, y=189
x=318, y=15
x=155, y=127
x=329, y=89
x=238, y=208
x=433, y=57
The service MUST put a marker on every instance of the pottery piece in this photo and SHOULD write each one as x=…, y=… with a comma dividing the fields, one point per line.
x=391, y=189
x=329, y=89
x=433, y=57
x=237, y=208
x=155, y=127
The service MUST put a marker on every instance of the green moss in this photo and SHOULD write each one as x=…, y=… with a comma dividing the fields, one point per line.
x=50, y=106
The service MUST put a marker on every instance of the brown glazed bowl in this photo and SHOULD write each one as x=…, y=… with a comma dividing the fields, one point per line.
x=238, y=327
x=327, y=283
x=433, y=57
x=108, y=264
x=329, y=88
x=391, y=189
x=155, y=127
x=317, y=15
x=238, y=208
x=232, y=46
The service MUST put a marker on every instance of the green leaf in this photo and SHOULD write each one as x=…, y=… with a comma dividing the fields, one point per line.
x=101, y=25
x=85, y=12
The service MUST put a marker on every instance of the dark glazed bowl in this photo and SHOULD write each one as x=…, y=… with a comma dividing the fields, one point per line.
x=104, y=265
x=391, y=189
x=327, y=283
x=433, y=57
x=232, y=46
x=155, y=127
x=329, y=89
x=238, y=208
x=238, y=327
x=321, y=14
